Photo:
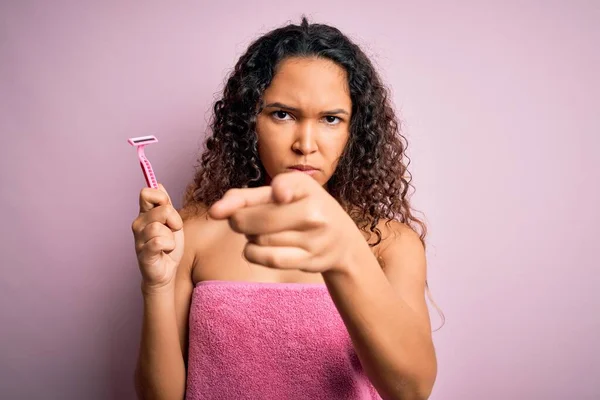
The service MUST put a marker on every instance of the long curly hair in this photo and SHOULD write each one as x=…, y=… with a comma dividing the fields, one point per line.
x=371, y=181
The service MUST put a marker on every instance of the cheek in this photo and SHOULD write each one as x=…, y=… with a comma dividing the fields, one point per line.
x=261, y=137
x=264, y=152
x=344, y=142
x=335, y=148
x=269, y=146
x=337, y=144
x=266, y=142
x=272, y=136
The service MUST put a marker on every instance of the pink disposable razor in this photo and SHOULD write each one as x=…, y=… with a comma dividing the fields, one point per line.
x=140, y=142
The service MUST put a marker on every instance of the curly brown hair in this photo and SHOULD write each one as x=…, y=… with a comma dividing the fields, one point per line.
x=371, y=182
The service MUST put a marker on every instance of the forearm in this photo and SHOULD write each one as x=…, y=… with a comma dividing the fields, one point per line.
x=391, y=341
x=160, y=372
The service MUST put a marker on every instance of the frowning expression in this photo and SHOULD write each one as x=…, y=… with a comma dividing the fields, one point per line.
x=305, y=121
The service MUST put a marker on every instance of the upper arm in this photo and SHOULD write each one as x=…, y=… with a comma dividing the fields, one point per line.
x=184, y=285
x=405, y=266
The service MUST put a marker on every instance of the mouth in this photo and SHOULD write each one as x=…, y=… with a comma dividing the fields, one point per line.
x=307, y=169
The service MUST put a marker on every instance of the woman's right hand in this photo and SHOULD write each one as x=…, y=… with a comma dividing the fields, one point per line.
x=158, y=233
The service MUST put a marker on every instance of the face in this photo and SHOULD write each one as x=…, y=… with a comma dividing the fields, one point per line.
x=304, y=124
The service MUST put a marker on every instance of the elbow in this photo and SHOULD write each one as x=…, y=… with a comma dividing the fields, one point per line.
x=410, y=392
x=424, y=386
x=419, y=379
x=407, y=391
x=420, y=387
x=422, y=393
x=409, y=385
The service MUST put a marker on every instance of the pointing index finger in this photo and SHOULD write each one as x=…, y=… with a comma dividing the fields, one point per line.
x=236, y=199
x=292, y=186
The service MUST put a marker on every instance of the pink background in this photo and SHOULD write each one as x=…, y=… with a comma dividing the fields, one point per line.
x=501, y=107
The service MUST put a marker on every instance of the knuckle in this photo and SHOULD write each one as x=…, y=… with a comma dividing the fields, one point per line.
x=177, y=215
x=164, y=198
x=315, y=216
x=162, y=212
x=271, y=219
x=236, y=222
x=178, y=223
x=263, y=240
x=154, y=229
x=135, y=225
x=248, y=255
x=145, y=193
x=273, y=261
x=155, y=243
x=172, y=212
x=267, y=240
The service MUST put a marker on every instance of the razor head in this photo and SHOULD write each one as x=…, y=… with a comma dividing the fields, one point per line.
x=142, y=140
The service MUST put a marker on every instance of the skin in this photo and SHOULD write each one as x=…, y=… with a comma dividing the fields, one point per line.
x=305, y=121
x=291, y=230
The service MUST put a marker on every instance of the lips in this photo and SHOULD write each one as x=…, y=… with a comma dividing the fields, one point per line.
x=303, y=167
x=307, y=169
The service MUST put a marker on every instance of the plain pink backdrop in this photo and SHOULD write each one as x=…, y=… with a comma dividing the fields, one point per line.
x=500, y=103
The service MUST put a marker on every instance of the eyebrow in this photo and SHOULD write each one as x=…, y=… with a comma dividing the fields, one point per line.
x=285, y=107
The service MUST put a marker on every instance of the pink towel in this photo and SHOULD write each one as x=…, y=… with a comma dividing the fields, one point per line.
x=270, y=341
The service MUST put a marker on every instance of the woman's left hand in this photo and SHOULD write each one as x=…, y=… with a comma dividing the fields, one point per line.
x=291, y=224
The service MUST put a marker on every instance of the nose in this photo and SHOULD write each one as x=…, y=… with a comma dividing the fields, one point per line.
x=305, y=141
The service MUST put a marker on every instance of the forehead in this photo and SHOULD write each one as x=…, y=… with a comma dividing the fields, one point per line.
x=310, y=82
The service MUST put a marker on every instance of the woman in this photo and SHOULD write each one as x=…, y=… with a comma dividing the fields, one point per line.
x=295, y=268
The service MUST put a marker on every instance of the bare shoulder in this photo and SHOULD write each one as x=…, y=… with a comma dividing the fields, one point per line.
x=402, y=257
x=404, y=263
x=395, y=234
x=201, y=231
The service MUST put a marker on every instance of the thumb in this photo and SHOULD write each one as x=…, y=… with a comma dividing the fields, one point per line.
x=292, y=186
x=162, y=188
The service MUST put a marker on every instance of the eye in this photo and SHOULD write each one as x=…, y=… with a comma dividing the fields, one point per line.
x=332, y=120
x=280, y=115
